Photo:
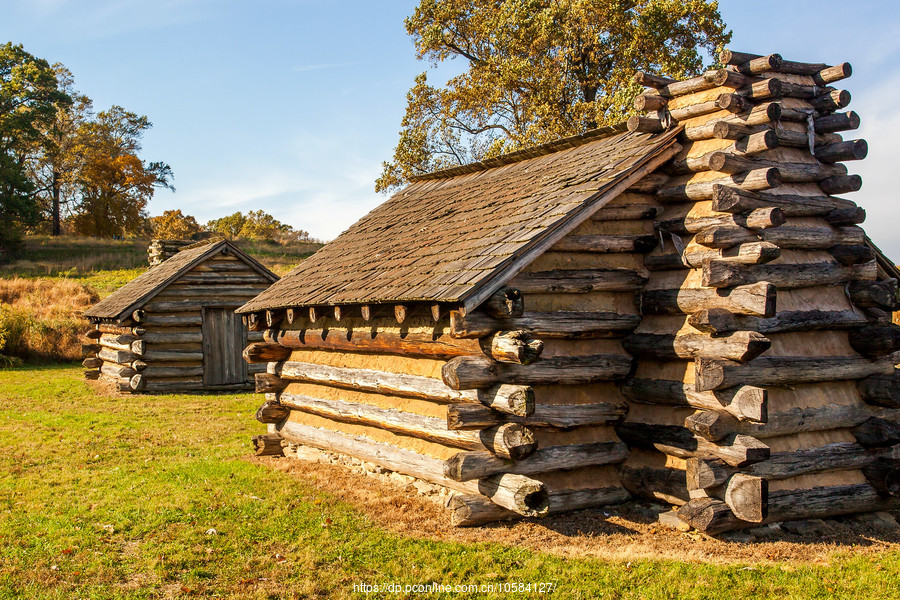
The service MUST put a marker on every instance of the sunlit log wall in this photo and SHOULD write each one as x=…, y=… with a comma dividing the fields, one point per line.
x=765, y=350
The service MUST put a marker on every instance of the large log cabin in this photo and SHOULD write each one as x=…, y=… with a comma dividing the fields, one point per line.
x=173, y=328
x=682, y=307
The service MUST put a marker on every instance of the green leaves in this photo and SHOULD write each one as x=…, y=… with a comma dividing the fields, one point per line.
x=538, y=70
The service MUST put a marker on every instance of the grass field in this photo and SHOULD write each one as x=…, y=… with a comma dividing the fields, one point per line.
x=106, y=496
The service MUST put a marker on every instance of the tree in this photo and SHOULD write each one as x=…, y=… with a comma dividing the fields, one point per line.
x=229, y=227
x=256, y=225
x=537, y=70
x=172, y=225
x=53, y=169
x=29, y=95
x=113, y=183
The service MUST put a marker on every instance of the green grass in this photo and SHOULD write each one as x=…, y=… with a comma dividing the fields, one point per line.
x=112, y=497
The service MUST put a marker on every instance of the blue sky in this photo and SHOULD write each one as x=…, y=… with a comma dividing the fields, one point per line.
x=290, y=106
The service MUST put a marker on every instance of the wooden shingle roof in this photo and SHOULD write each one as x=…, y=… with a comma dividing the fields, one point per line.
x=137, y=292
x=457, y=235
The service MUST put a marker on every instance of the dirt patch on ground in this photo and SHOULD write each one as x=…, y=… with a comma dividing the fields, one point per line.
x=623, y=532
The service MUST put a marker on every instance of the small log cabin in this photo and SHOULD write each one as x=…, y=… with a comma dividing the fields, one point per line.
x=682, y=307
x=173, y=328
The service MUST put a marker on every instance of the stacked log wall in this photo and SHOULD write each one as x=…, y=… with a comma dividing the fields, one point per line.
x=431, y=398
x=160, y=346
x=761, y=347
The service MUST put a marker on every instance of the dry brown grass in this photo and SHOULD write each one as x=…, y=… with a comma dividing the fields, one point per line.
x=40, y=319
x=622, y=533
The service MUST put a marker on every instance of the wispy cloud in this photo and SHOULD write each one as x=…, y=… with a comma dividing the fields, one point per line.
x=320, y=67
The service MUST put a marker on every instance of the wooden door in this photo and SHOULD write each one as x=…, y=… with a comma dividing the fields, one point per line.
x=224, y=339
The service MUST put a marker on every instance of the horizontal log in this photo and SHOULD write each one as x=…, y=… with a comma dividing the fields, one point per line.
x=830, y=101
x=507, y=302
x=635, y=210
x=713, y=374
x=841, y=151
x=786, y=237
x=716, y=425
x=852, y=254
x=652, y=81
x=724, y=274
x=362, y=340
x=841, y=184
x=509, y=440
x=747, y=146
x=722, y=322
x=742, y=402
x=644, y=124
x=476, y=416
x=740, y=346
x=467, y=466
x=164, y=320
x=181, y=371
x=704, y=473
x=796, y=138
x=647, y=184
x=183, y=385
x=759, y=179
x=266, y=383
x=92, y=363
x=713, y=516
x=665, y=484
x=875, y=294
x=272, y=412
x=172, y=338
x=693, y=257
x=734, y=200
x=649, y=102
x=265, y=352
x=93, y=334
x=735, y=126
x=183, y=306
x=571, y=325
x=106, y=328
x=92, y=374
x=883, y=474
x=511, y=399
x=837, y=122
x=469, y=510
x=760, y=64
x=880, y=390
x=171, y=355
x=877, y=432
x=875, y=340
x=117, y=371
x=201, y=291
x=842, y=217
x=757, y=299
x=748, y=497
x=515, y=347
x=562, y=281
x=116, y=356
x=222, y=278
x=790, y=172
x=111, y=344
x=267, y=444
x=470, y=372
x=606, y=244
x=760, y=218
x=414, y=464
x=761, y=90
x=737, y=451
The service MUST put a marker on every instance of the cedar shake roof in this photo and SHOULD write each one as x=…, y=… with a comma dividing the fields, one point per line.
x=137, y=292
x=457, y=235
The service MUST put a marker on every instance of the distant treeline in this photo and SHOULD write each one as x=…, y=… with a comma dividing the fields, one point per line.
x=65, y=168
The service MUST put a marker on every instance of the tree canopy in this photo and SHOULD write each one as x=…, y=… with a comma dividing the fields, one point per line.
x=173, y=225
x=538, y=70
x=29, y=95
x=256, y=225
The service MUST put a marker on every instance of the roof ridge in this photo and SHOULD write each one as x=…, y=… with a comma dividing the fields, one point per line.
x=565, y=143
